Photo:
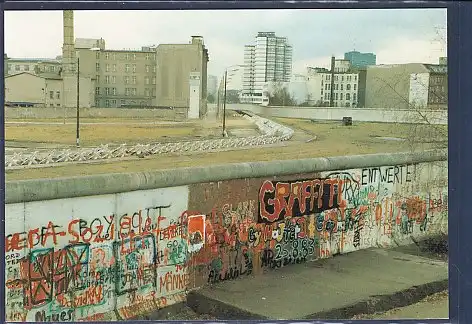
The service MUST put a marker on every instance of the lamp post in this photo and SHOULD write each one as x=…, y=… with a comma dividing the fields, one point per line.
x=224, y=105
x=224, y=95
x=77, y=137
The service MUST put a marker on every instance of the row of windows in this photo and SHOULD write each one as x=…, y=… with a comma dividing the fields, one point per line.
x=113, y=102
x=126, y=56
x=336, y=86
x=128, y=91
x=111, y=79
x=339, y=96
x=337, y=77
x=27, y=67
x=128, y=68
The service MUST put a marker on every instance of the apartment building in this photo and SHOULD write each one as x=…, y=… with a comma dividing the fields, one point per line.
x=268, y=60
x=123, y=78
x=345, y=87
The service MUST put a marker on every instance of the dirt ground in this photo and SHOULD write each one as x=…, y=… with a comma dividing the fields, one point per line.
x=97, y=131
x=311, y=139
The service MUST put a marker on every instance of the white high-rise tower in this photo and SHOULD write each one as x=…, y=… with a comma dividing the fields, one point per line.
x=269, y=60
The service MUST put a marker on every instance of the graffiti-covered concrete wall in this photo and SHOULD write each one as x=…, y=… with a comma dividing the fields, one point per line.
x=120, y=247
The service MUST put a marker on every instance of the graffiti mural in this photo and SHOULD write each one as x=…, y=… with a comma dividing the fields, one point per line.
x=117, y=257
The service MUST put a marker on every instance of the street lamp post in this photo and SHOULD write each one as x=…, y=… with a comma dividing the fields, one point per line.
x=77, y=137
x=224, y=105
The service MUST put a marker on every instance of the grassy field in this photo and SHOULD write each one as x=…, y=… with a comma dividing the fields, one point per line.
x=94, y=132
x=332, y=139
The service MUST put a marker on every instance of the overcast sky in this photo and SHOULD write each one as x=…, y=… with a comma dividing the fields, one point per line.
x=394, y=35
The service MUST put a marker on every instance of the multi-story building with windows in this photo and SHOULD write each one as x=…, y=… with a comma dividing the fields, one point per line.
x=346, y=87
x=122, y=77
x=268, y=60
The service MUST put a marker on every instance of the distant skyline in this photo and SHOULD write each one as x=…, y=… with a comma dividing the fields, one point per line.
x=394, y=35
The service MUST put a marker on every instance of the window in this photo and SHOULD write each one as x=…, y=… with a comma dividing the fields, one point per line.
x=353, y=97
x=107, y=103
x=134, y=67
x=134, y=57
x=147, y=56
x=342, y=78
x=51, y=94
x=97, y=67
x=146, y=92
x=348, y=96
x=51, y=105
x=355, y=78
x=127, y=91
x=107, y=79
x=341, y=86
x=147, y=68
x=348, y=87
x=97, y=77
x=113, y=91
x=107, y=67
x=113, y=55
x=134, y=80
x=341, y=95
x=107, y=56
x=58, y=95
x=97, y=55
x=127, y=56
x=336, y=96
x=153, y=56
x=127, y=67
x=113, y=79
x=337, y=86
x=355, y=86
x=154, y=80
x=134, y=91
x=122, y=102
x=97, y=103
x=126, y=79
x=113, y=103
x=58, y=105
x=97, y=91
x=146, y=80
x=114, y=67
x=154, y=68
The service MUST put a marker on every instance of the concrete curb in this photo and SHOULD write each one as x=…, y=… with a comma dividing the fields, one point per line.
x=384, y=303
x=103, y=184
x=203, y=305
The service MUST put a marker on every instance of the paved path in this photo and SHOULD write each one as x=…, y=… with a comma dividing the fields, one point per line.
x=362, y=282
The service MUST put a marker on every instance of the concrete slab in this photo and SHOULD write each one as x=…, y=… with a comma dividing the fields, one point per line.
x=366, y=281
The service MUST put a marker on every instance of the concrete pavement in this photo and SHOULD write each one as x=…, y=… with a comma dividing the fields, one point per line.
x=362, y=282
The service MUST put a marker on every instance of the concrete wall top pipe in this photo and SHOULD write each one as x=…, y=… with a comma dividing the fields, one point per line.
x=48, y=189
